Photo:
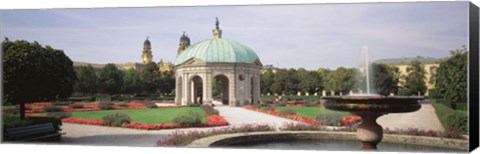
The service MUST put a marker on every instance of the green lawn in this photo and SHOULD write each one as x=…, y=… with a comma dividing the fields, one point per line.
x=311, y=112
x=144, y=116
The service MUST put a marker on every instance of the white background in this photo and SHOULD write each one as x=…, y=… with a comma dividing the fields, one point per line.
x=43, y=4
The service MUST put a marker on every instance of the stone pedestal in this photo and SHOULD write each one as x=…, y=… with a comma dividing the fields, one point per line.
x=369, y=132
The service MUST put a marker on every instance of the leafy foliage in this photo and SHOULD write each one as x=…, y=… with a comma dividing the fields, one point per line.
x=105, y=105
x=415, y=80
x=110, y=80
x=190, y=118
x=132, y=84
x=451, y=119
x=53, y=108
x=151, y=78
x=87, y=80
x=28, y=67
x=451, y=79
x=329, y=119
x=340, y=80
x=116, y=119
x=385, y=79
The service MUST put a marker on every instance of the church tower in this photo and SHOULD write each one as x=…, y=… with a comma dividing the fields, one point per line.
x=147, y=52
x=184, y=43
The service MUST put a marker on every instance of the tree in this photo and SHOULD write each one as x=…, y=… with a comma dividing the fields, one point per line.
x=282, y=83
x=167, y=81
x=340, y=80
x=87, y=80
x=132, y=84
x=415, y=80
x=310, y=82
x=266, y=80
x=34, y=73
x=385, y=79
x=451, y=79
x=110, y=80
x=151, y=78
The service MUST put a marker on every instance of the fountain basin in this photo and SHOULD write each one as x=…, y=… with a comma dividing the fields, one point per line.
x=369, y=108
x=373, y=103
x=342, y=140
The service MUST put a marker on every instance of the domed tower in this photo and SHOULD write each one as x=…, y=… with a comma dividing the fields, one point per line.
x=147, y=52
x=232, y=65
x=184, y=43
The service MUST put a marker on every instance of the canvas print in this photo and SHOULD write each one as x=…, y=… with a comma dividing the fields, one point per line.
x=327, y=77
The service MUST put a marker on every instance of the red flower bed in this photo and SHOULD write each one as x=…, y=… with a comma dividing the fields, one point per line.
x=69, y=109
x=213, y=120
x=37, y=110
x=346, y=121
x=275, y=113
x=39, y=104
x=350, y=120
x=83, y=121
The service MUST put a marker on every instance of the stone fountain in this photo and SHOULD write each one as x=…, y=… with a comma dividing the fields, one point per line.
x=369, y=107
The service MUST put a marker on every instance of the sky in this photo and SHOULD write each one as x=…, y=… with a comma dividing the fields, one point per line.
x=287, y=36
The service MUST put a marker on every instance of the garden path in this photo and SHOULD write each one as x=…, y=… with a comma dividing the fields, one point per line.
x=425, y=118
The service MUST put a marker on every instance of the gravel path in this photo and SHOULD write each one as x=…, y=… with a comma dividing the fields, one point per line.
x=425, y=118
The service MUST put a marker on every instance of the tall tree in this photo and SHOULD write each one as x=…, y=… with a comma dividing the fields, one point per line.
x=132, y=84
x=266, y=80
x=385, y=79
x=150, y=76
x=167, y=80
x=451, y=79
x=87, y=80
x=110, y=79
x=33, y=73
x=415, y=80
x=340, y=80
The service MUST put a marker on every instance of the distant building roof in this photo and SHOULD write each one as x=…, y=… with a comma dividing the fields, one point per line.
x=408, y=60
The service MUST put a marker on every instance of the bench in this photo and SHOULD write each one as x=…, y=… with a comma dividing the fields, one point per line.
x=33, y=132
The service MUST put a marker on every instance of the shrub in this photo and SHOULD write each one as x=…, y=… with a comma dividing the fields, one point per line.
x=451, y=119
x=116, y=119
x=150, y=105
x=190, y=118
x=287, y=112
x=282, y=103
x=76, y=106
x=63, y=103
x=329, y=119
x=53, y=108
x=309, y=104
x=210, y=110
x=59, y=115
x=105, y=105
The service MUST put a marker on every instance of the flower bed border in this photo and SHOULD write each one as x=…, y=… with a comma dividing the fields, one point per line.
x=346, y=120
x=212, y=120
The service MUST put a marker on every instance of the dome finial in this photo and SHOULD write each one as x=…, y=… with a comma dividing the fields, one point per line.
x=217, y=32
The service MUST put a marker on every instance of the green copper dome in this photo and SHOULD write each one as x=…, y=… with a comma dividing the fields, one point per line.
x=218, y=50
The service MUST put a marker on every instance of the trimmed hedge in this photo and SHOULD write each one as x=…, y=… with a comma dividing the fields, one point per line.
x=116, y=119
x=190, y=118
x=451, y=119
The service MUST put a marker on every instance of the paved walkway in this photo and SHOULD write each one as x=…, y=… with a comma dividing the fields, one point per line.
x=425, y=118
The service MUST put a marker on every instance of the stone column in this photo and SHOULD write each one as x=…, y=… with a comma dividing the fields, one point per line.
x=256, y=89
x=232, y=89
x=207, y=88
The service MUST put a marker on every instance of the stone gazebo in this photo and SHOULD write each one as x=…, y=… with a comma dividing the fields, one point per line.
x=233, y=64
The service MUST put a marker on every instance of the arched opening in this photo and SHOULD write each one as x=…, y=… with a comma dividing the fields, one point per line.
x=220, y=89
x=197, y=90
